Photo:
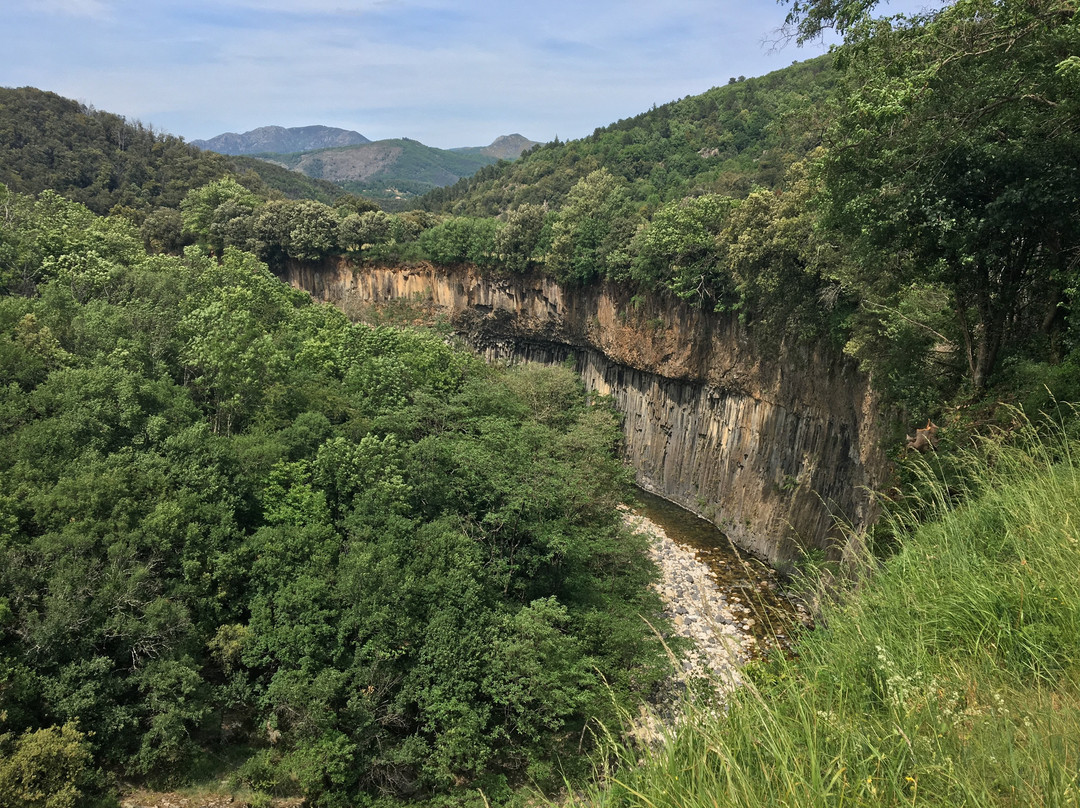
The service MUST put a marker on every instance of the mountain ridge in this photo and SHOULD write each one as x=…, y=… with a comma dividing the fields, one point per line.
x=504, y=147
x=390, y=169
x=281, y=140
x=396, y=168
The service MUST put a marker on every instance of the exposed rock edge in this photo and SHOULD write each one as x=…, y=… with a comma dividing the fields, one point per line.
x=772, y=448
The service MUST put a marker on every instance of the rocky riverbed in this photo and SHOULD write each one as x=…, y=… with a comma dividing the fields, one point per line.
x=731, y=618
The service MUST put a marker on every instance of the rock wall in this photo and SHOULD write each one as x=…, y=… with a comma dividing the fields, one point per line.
x=773, y=449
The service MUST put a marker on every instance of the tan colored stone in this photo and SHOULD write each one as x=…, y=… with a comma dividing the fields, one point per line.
x=771, y=448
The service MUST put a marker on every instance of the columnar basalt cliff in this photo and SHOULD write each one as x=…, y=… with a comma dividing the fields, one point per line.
x=773, y=449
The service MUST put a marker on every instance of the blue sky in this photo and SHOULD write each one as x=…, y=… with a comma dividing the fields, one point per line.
x=444, y=72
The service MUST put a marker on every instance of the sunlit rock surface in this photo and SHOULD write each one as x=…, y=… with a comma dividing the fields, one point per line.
x=773, y=448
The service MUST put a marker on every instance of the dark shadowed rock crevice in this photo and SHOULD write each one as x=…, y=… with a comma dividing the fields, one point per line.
x=771, y=447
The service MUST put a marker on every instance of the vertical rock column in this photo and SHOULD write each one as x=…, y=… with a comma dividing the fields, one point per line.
x=773, y=451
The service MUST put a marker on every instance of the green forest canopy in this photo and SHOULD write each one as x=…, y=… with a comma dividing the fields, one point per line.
x=107, y=162
x=909, y=200
x=230, y=520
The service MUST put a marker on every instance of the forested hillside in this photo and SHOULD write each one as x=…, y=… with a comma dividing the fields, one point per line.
x=239, y=533
x=96, y=158
x=385, y=169
x=291, y=184
x=352, y=561
x=727, y=140
x=104, y=161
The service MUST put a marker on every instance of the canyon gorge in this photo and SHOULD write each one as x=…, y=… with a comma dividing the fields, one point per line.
x=776, y=447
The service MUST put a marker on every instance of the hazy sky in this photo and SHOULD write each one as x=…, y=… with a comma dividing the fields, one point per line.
x=444, y=72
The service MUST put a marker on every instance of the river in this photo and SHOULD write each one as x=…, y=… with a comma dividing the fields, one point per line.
x=718, y=595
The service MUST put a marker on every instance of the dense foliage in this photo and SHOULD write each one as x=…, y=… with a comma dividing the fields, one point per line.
x=230, y=519
x=97, y=158
x=949, y=677
x=957, y=170
x=726, y=140
x=373, y=567
x=932, y=233
x=291, y=184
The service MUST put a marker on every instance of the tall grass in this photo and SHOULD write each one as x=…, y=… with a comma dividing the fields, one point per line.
x=950, y=677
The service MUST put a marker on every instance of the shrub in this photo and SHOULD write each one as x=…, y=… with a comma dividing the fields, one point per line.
x=44, y=769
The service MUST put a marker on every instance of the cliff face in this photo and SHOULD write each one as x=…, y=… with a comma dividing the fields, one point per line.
x=771, y=448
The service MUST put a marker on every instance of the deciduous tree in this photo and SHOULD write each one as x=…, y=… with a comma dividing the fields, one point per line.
x=591, y=233
x=956, y=162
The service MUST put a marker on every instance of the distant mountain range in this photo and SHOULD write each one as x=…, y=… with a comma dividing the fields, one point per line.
x=504, y=147
x=281, y=140
x=385, y=169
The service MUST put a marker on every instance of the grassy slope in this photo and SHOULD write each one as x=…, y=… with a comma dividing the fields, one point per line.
x=951, y=678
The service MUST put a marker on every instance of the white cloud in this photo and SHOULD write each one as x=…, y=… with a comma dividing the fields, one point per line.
x=445, y=72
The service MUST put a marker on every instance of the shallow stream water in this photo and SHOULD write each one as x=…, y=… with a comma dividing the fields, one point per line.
x=753, y=590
